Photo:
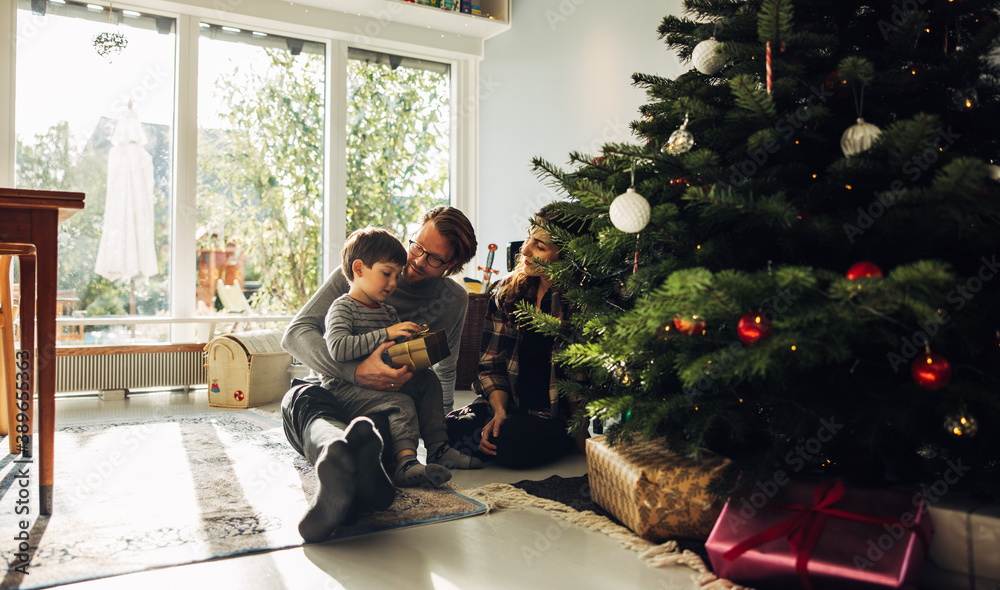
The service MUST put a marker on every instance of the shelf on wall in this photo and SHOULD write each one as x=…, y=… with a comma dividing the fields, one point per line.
x=494, y=20
x=497, y=10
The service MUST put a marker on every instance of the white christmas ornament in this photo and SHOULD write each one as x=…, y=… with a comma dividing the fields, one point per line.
x=630, y=211
x=706, y=57
x=858, y=137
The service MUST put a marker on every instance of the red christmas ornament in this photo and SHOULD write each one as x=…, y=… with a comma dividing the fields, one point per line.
x=931, y=371
x=689, y=325
x=753, y=327
x=864, y=270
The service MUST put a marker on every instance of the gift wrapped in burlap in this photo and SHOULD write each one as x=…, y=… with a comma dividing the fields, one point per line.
x=656, y=493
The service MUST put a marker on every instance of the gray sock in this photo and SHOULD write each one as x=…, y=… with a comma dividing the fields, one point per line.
x=451, y=458
x=374, y=490
x=332, y=503
x=410, y=473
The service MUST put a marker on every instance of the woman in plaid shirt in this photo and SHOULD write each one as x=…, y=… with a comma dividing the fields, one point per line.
x=518, y=418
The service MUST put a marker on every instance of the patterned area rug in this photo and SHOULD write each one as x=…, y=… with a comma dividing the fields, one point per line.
x=135, y=495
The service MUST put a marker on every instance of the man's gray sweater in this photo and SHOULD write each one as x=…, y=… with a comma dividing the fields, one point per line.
x=439, y=303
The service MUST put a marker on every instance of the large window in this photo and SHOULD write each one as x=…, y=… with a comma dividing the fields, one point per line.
x=101, y=125
x=398, y=133
x=261, y=118
x=239, y=173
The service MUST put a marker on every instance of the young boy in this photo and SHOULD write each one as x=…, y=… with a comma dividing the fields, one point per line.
x=357, y=323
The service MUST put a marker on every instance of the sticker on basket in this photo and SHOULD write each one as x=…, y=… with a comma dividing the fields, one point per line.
x=215, y=386
x=238, y=395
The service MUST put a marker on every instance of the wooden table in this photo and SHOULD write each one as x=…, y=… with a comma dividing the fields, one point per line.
x=31, y=219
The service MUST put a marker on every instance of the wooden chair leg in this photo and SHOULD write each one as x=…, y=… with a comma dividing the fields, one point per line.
x=6, y=420
x=8, y=395
x=27, y=263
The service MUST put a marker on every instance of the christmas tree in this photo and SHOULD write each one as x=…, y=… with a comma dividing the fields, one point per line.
x=796, y=264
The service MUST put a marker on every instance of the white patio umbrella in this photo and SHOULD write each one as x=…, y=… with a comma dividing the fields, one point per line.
x=127, y=251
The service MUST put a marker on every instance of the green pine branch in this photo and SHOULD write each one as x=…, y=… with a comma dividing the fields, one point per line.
x=534, y=319
x=720, y=203
x=752, y=97
x=775, y=22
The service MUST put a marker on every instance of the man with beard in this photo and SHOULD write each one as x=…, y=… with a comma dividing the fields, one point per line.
x=348, y=463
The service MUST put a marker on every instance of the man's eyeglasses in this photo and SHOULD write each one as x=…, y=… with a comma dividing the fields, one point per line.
x=433, y=260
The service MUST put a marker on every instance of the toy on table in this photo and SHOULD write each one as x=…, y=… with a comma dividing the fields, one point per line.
x=488, y=270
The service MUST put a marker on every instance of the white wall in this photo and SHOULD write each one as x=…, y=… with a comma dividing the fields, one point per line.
x=559, y=80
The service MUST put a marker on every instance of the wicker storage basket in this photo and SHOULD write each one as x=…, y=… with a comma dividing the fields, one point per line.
x=472, y=338
x=247, y=369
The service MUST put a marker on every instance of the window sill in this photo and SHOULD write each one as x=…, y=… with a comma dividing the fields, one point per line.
x=209, y=321
x=118, y=320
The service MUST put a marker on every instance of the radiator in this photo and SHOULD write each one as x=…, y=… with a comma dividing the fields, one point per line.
x=129, y=371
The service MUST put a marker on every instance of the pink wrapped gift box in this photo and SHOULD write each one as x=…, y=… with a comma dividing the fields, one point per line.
x=822, y=536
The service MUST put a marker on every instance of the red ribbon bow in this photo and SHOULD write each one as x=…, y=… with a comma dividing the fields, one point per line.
x=803, y=528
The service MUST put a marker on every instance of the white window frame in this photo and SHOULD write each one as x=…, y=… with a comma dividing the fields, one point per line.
x=335, y=29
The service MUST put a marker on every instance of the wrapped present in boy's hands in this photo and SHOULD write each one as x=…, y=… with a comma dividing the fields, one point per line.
x=421, y=350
